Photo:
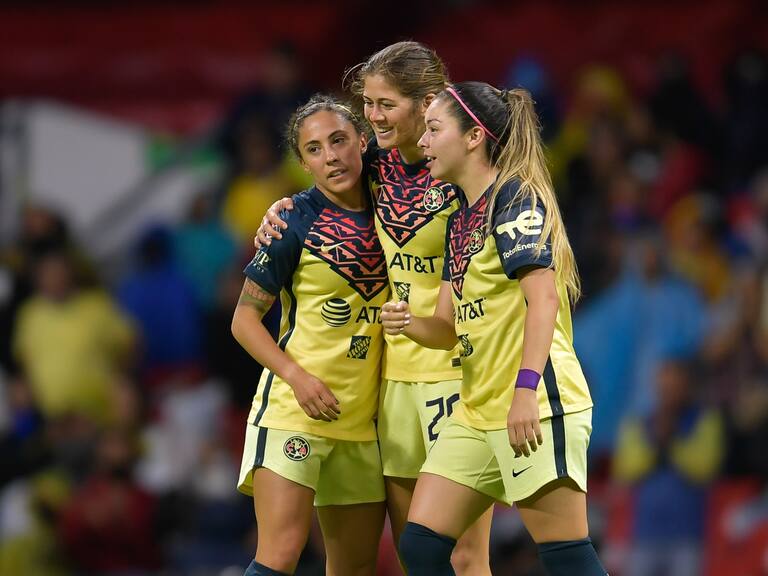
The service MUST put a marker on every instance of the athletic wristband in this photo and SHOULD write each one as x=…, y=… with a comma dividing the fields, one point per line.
x=527, y=379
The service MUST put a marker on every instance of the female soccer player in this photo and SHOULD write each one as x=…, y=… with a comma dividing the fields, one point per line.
x=310, y=434
x=508, y=280
x=420, y=387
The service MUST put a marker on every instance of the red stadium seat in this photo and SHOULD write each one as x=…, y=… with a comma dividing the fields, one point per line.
x=728, y=553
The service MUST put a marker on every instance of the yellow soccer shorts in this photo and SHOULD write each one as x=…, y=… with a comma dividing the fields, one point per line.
x=340, y=472
x=484, y=461
x=411, y=415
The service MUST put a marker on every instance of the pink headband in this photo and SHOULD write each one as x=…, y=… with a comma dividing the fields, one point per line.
x=455, y=94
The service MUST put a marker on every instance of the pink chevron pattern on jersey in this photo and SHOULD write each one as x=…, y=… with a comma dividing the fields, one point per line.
x=466, y=238
x=354, y=252
x=404, y=202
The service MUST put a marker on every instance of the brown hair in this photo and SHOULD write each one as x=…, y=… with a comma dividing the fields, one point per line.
x=519, y=155
x=319, y=103
x=414, y=69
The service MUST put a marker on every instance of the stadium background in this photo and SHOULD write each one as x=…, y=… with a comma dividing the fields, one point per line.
x=140, y=144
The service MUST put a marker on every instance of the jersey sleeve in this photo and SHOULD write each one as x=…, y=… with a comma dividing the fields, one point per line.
x=447, y=257
x=517, y=230
x=273, y=266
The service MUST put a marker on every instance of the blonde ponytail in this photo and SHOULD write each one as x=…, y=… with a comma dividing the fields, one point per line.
x=522, y=159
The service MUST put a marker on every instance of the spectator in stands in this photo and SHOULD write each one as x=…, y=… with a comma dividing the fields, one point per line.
x=746, y=122
x=748, y=218
x=677, y=106
x=260, y=178
x=669, y=456
x=736, y=359
x=108, y=526
x=592, y=177
x=29, y=512
x=600, y=95
x=163, y=304
x=623, y=334
x=693, y=249
x=527, y=71
x=205, y=249
x=41, y=230
x=23, y=448
x=70, y=341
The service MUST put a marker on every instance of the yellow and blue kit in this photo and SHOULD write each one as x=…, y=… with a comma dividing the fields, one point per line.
x=482, y=261
x=330, y=273
x=412, y=211
x=483, y=256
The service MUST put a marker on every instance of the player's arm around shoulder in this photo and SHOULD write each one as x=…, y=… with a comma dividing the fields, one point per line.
x=274, y=222
x=437, y=331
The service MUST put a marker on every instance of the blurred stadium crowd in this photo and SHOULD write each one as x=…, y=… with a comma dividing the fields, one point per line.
x=123, y=395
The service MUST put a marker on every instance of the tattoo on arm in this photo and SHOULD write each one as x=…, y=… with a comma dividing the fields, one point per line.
x=254, y=295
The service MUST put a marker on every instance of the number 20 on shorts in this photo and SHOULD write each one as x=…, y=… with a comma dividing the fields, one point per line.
x=444, y=408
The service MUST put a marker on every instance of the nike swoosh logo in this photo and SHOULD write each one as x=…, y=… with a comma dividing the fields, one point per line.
x=515, y=474
x=325, y=248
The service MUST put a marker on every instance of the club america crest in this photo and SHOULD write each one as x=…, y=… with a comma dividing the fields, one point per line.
x=476, y=240
x=433, y=199
x=296, y=448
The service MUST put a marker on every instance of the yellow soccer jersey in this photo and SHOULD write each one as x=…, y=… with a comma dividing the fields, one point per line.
x=412, y=211
x=490, y=308
x=330, y=273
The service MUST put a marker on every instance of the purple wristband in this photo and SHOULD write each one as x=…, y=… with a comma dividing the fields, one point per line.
x=527, y=379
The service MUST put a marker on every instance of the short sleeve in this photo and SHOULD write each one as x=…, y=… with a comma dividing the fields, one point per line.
x=447, y=258
x=517, y=230
x=273, y=266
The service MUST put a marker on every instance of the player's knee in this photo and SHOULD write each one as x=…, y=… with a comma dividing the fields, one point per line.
x=425, y=552
x=281, y=553
x=468, y=559
x=357, y=564
x=359, y=567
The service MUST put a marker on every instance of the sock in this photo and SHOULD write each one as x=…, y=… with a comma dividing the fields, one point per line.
x=571, y=558
x=256, y=569
x=425, y=552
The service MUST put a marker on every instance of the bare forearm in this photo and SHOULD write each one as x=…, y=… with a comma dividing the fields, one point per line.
x=312, y=395
x=255, y=339
x=436, y=331
x=539, y=328
x=250, y=333
x=432, y=332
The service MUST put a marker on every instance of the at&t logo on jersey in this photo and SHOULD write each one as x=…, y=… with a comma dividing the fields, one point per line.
x=411, y=263
x=470, y=311
x=336, y=312
x=527, y=223
x=358, y=347
x=434, y=199
x=369, y=315
x=296, y=448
